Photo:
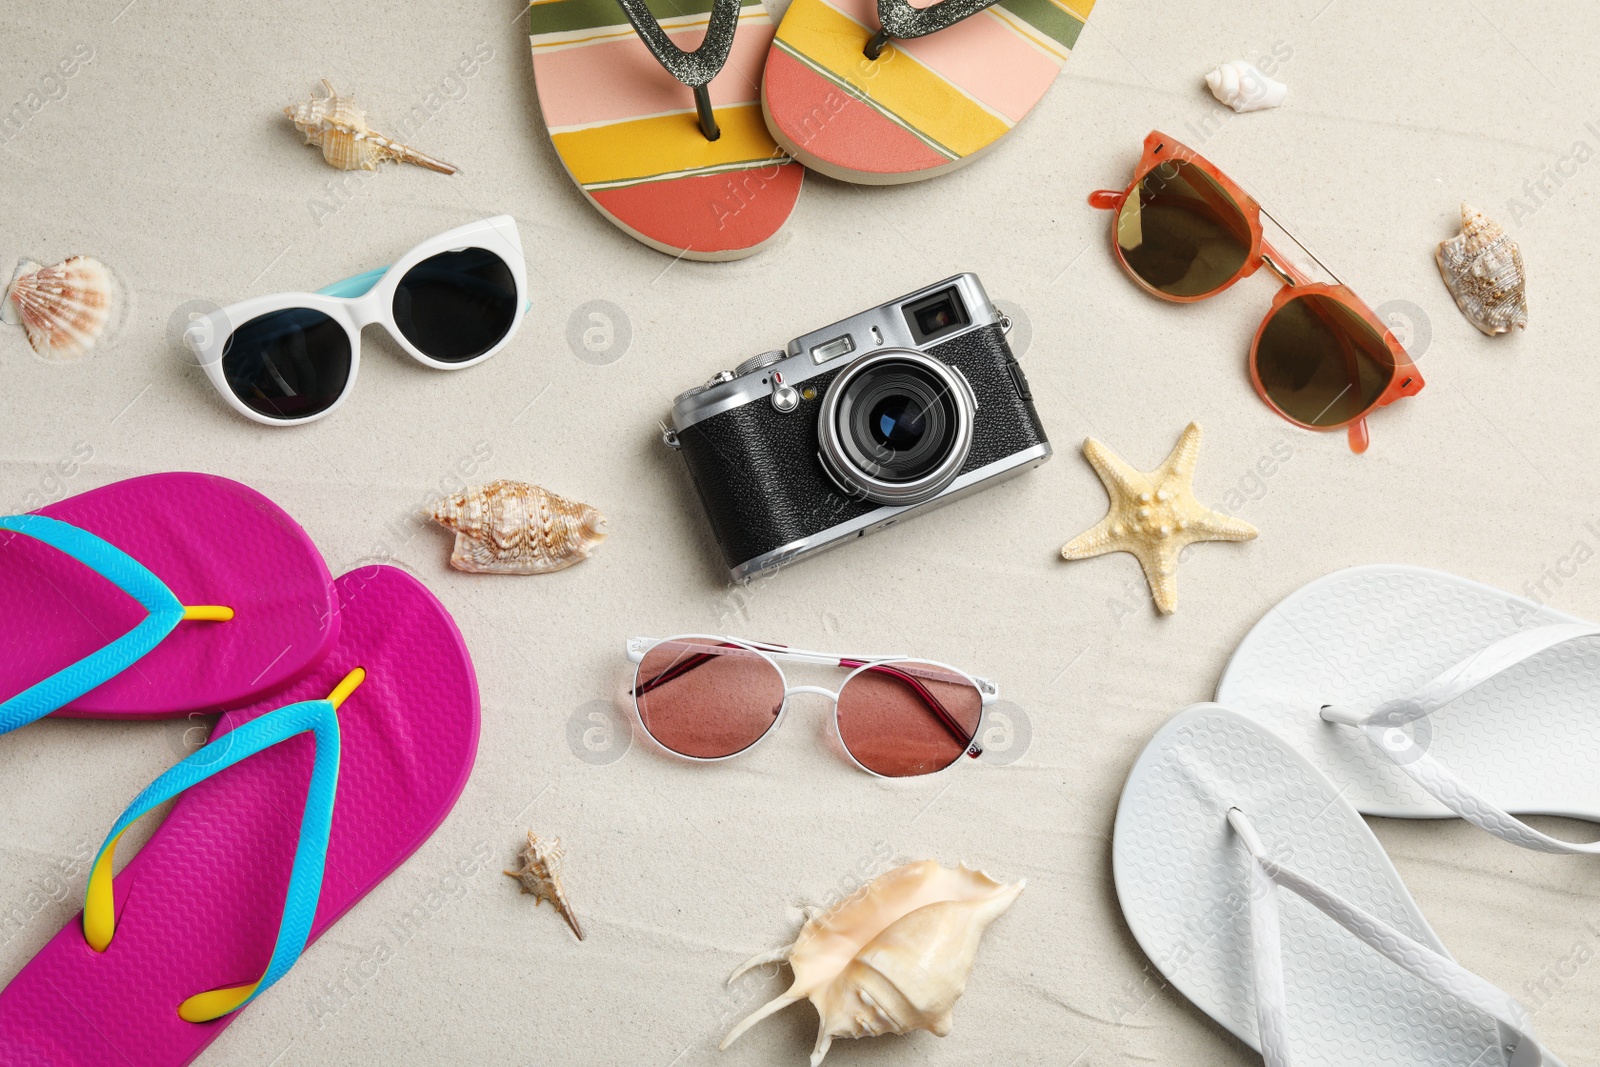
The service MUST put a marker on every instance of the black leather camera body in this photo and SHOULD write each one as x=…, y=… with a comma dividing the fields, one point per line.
x=858, y=425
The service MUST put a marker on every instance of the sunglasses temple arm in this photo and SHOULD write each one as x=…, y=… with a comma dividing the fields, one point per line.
x=924, y=694
x=357, y=285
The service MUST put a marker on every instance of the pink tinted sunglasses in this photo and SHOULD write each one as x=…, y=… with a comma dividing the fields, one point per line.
x=705, y=697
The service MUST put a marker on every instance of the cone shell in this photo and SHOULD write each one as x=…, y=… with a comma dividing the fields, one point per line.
x=892, y=958
x=337, y=126
x=1482, y=268
x=514, y=528
x=65, y=309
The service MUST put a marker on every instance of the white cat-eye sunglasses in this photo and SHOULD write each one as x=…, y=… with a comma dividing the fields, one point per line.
x=291, y=358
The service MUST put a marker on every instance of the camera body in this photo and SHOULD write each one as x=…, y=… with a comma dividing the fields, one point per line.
x=856, y=426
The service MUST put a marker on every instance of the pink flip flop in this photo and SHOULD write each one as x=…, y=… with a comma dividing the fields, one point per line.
x=203, y=540
x=203, y=907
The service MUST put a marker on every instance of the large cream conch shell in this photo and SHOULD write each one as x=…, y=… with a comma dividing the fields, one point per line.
x=65, y=308
x=510, y=527
x=337, y=126
x=1482, y=268
x=1243, y=87
x=891, y=958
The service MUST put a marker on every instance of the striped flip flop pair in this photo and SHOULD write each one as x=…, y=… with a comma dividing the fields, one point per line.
x=694, y=152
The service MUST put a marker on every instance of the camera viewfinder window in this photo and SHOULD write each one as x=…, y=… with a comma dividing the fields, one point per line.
x=936, y=315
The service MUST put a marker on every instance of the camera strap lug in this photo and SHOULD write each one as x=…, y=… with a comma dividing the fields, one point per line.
x=669, y=436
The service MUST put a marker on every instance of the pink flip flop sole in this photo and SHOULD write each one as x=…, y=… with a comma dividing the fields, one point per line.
x=199, y=906
x=212, y=541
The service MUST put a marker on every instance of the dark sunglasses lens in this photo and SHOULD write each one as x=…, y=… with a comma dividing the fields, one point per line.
x=1321, y=363
x=1181, y=233
x=288, y=364
x=455, y=306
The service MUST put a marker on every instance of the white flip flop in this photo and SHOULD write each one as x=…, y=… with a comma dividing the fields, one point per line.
x=1262, y=896
x=1423, y=695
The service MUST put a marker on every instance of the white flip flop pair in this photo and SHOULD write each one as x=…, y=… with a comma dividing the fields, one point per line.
x=1384, y=690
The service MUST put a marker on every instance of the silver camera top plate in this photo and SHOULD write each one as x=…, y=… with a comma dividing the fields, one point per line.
x=834, y=347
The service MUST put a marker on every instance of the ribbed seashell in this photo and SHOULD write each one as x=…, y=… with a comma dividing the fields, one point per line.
x=1242, y=86
x=510, y=527
x=540, y=875
x=1482, y=268
x=337, y=126
x=65, y=309
x=891, y=958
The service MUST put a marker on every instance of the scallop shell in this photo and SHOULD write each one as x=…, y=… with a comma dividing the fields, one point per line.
x=540, y=875
x=891, y=958
x=65, y=309
x=1243, y=87
x=1482, y=268
x=336, y=125
x=510, y=527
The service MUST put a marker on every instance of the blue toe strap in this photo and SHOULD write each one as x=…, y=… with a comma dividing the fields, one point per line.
x=127, y=574
x=319, y=717
x=97, y=668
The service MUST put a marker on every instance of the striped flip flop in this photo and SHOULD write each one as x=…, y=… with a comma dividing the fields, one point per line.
x=897, y=93
x=668, y=144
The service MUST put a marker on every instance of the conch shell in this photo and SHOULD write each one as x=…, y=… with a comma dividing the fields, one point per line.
x=891, y=958
x=65, y=308
x=540, y=875
x=337, y=126
x=1482, y=268
x=1243, y=87
x=510, y=527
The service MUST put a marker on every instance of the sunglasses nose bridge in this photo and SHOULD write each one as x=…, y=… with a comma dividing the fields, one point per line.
x=816, y=689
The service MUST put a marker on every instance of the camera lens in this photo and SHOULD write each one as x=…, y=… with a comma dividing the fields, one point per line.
x=897, y=423
x=896, y=427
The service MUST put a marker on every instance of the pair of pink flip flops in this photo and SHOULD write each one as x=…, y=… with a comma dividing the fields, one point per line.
x=218, y=897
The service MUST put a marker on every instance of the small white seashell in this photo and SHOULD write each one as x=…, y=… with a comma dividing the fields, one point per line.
x=1482, y=268
x=510, y=527
x=892, y=957
x=1243, y=87
x=65, y=308
x=337, y=126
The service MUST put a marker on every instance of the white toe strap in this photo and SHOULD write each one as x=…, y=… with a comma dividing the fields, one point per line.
x=1383, y=729
x=1520, y=1047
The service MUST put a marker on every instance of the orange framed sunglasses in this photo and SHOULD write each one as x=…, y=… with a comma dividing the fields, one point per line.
x=1184, y=232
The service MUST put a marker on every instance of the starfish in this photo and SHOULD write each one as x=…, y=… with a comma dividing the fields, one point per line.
x=1154, y=516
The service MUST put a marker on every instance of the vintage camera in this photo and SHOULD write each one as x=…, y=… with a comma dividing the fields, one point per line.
x=853, y=427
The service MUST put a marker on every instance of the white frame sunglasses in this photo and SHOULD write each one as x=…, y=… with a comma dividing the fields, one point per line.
x=639, y=647
x=357, y=302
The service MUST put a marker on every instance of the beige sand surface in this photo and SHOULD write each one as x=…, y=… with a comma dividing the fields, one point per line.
x=166, y=155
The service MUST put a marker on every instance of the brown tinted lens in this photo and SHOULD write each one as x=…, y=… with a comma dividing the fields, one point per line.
x=1321, y=363
x=1181, y=233
x=706, y=700
x=907, y=718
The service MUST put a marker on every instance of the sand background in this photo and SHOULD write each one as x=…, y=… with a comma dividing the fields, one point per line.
x=166, y=156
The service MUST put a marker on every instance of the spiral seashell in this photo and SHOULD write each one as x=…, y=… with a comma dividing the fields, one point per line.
x=1243, y=87
x=891, y=958
x=509, y=527
x=337, y=126
x=65, y=308
x=1482, y=268
x=540, y=875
